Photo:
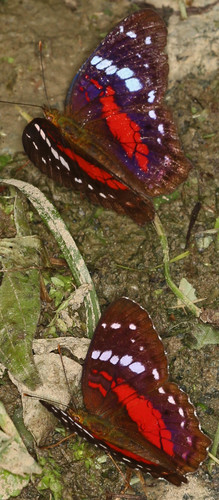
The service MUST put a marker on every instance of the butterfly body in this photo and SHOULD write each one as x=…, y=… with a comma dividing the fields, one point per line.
x=132, y=410
x=116, y=141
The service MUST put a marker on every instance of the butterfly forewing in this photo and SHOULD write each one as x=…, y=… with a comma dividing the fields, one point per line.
x=131, y=60
x=118, y=95
x=122, y=350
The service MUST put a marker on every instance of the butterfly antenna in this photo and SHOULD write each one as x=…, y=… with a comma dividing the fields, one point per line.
x=22, y=104
x=43, y=72
x=40, y=399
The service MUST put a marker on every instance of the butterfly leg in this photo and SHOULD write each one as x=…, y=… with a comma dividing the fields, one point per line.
x=126, y=478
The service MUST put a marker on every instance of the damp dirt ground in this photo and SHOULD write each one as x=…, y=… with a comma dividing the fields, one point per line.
x=121, y=257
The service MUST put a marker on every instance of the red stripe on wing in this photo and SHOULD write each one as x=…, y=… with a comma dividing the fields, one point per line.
x=141, y=411
x=126, y=453
x=99, y=174
x=94, y=172
x=99, y=386
x=124, y=129
x=148, y=419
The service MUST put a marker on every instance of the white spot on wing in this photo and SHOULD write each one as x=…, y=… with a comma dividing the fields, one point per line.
x=115, y=326
x=181, y=412
x=90, y=187
x=78, y=425
x=37, y=126
x=78, y=180
x=126, y=360
x=125, y=73
x=132, y=326
x=42, y=133
x=137, y=367
x=95, y=354
x=65, y=420
x=105, y=356
x=152, y=114
x=133, y=84
x=155, y=374
x=64, y=162
x=171, y=400
x=111, y=70
x=121, y=29
x=161, y=128
x=147, y=40
x=161, y=390
x=102, y=195
x=103, y=325
x=96, y=60
x=55, y=154
x=88, y=433
x=114, y=360
x=35, y=145
x=151, y=96
x=104, y=64
x=131, y=34
x=48, y=142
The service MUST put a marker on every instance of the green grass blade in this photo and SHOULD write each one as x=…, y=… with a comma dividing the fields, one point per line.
x=54, y=222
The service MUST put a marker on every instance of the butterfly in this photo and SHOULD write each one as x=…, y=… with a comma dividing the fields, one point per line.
x=131, y=408
x=116, y=140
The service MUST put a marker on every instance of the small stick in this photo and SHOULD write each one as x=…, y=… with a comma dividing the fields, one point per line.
x=58, y=442
x=42, y=70
x=66, y=378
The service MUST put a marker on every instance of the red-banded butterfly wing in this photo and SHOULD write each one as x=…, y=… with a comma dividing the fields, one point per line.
x=118, y=95
x=132, y=409
x=126, y=445
x=115, y=117
x=126, y=366
x=131, y=59
x=70, y=166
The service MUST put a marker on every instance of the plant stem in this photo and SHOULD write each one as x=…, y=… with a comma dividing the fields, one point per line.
x=214, y=450
x=166, y=262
